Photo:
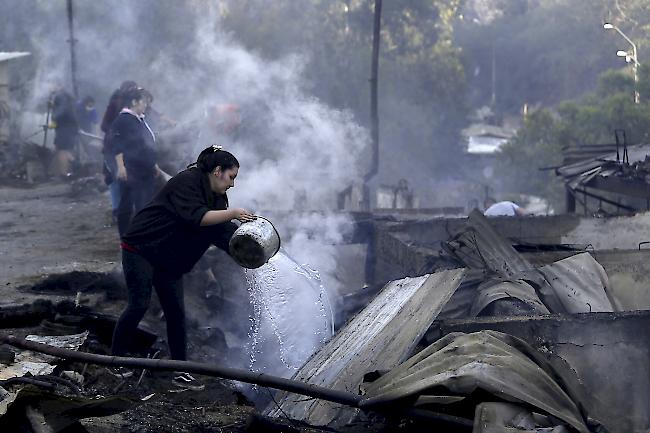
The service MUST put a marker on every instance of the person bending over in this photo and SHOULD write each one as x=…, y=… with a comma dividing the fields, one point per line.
x=502, y=208
x=164, y=241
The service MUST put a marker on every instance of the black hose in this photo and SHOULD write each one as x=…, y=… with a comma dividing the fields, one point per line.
x=27, y=381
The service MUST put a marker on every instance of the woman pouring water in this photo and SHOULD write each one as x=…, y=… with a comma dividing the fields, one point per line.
x=164, y=241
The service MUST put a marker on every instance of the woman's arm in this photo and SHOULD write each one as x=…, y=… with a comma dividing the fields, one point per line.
x=212, y=217
x=121, y=168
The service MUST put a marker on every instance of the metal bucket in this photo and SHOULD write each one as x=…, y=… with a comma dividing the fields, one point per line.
x=254, y=243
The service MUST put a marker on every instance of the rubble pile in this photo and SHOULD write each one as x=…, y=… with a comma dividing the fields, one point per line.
x=479, y=338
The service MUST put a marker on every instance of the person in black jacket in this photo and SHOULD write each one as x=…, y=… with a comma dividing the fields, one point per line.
x=167, y=237
x=134, y=146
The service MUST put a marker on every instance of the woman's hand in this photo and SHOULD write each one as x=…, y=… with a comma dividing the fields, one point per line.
x=243, y=215
x=121, y=168
x=121, y=173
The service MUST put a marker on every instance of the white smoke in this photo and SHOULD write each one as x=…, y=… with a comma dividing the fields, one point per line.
x=296, y=150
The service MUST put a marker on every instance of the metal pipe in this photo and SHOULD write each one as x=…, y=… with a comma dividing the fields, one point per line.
x=261, y=379
x=50, y=102
x=30, y=381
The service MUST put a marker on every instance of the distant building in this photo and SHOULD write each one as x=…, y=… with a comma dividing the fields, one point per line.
x=483, y=139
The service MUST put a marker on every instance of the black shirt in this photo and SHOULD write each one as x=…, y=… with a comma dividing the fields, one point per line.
x=132, y=137
x=63, y=113
x=168, y=231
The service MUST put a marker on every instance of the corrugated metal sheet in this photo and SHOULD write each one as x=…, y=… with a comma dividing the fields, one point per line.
x=378, y=338
x=459, y=364
x=479, y=246
x=607, y=173
x=576, y=284
x=635, y=153
x=581, y=284
x=494, y=290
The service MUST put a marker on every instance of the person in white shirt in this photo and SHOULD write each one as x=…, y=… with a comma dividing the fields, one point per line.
x=502, y=208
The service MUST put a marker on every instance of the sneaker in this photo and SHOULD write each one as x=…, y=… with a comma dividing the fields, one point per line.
x=187, y=381
x=120, y=372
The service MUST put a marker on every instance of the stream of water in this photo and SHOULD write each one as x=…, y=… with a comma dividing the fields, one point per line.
x=292, y=315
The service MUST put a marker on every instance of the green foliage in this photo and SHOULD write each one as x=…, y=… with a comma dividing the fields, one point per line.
x=644, y=82
x=538, y=53
x=612, y=82
x=591, y=120
x=536, y=145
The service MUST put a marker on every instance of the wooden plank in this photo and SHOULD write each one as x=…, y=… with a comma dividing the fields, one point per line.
x=378, y=338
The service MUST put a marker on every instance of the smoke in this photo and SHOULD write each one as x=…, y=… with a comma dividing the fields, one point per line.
x=294, y=150
x=290, y=142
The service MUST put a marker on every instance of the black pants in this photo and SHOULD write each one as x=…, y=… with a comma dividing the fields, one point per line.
x=140, y=278
x=134, y=195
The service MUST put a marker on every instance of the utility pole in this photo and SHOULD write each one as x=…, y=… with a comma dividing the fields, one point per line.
x=369, y=270
x=374, y=79
x=73, y=57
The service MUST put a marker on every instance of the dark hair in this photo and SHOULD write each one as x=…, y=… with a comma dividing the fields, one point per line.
x=134, y=94
x=127, y=85
x=213, y=157
x=148, y=95
x=88, y=100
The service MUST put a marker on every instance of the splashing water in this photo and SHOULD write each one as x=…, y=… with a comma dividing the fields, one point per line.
x=292, y=315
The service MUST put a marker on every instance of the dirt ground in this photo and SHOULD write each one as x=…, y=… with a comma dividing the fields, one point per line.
x=47, y=229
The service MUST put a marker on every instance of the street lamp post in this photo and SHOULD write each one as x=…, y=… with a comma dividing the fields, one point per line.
x=628, y=58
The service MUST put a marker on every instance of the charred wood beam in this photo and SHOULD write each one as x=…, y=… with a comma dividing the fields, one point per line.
x=26, y=314
x=261, y=379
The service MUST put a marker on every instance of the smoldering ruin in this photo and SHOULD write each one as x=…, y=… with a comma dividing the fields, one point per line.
x=397, y=294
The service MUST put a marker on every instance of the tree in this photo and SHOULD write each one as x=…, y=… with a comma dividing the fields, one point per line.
x=589, y=120
x=536, y=145
x=540, y=53
x=421, y=78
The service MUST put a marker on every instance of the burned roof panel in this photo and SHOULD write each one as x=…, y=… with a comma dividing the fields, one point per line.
x=576, y=284
x=378, y=338
x=460, y=364
x=635, y=153
x=479, y=246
